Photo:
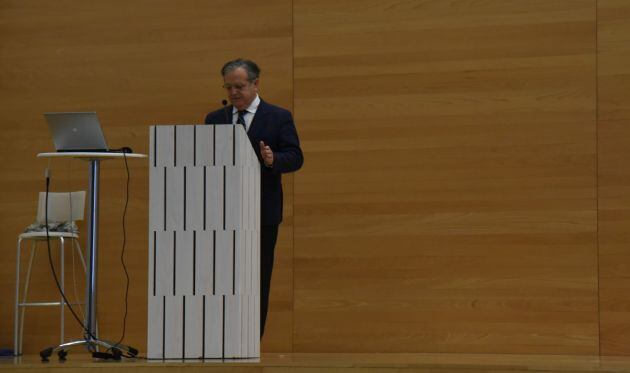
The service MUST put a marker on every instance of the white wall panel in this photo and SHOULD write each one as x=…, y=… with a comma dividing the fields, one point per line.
x=204, y=260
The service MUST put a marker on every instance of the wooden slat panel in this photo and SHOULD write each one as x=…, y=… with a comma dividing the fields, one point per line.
x=613, y=101
x=448, y=197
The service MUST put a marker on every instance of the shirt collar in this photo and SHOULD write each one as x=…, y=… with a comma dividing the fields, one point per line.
x=251, y=108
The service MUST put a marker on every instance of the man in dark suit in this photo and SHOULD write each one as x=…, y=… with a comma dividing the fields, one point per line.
x=275, y=141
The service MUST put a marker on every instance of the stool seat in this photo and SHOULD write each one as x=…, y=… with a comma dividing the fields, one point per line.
x=41, y=236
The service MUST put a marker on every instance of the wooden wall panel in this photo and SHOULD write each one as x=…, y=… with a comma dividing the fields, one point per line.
x=136, y=63
x=613, y=104
x=447, y=202
x=450, y=199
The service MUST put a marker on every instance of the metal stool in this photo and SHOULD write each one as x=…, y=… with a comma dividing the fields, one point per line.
x=62, y=207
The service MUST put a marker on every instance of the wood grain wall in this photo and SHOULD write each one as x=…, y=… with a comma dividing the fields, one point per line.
x=613, y=155
x=136, y=63
x=464, y=182
x=448, y=200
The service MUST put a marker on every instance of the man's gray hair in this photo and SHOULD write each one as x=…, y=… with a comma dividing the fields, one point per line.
x=253, y=71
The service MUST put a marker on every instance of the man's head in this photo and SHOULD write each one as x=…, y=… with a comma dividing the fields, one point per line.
x=240, y=80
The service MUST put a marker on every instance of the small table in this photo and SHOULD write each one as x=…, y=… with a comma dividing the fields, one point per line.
x=91, y=339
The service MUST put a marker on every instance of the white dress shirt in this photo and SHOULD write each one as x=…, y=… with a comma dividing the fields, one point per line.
x=249, y=115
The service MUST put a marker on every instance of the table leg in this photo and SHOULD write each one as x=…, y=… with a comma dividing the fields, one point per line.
x=92, y=252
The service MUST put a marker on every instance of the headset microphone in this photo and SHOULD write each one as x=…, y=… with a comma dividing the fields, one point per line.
x=225, y=111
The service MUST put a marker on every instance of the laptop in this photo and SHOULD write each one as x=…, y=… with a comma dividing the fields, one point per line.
x=76, y=132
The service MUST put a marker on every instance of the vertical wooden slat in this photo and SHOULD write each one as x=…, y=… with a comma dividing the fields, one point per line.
x=214, y=327
x=194, y=198
x=175, y=198
x=184, y=263
x=174, y=331
x=613, y=156
x=185, y=145
x=194, y=330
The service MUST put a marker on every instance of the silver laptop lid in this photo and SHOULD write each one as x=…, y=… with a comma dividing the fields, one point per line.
x=76, y=131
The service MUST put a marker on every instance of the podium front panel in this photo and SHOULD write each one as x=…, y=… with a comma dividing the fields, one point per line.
x=204, y=243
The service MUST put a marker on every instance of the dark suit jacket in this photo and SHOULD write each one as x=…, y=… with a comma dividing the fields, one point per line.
x=273, y=125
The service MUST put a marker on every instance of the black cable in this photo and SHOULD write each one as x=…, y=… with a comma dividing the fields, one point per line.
x=87, y=333
x=122, y=254
x=52, y=266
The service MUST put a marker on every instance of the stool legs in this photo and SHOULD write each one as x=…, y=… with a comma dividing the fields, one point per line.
x=75, y=244
x=21, y=304
x=62, y=302
x=27, y=283
x=77, y=247
x=16, y=317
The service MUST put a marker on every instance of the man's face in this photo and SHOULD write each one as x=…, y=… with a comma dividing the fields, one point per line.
x=240, y=91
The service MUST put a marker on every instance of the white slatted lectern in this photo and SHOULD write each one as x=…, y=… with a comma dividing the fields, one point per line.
x=204, y=243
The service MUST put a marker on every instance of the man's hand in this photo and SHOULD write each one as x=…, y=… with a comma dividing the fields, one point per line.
x=266, y=154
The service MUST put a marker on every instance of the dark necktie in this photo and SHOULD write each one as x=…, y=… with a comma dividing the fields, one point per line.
x=241, y=119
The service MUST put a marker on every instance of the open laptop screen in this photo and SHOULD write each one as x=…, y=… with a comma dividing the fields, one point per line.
x=79, y=131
